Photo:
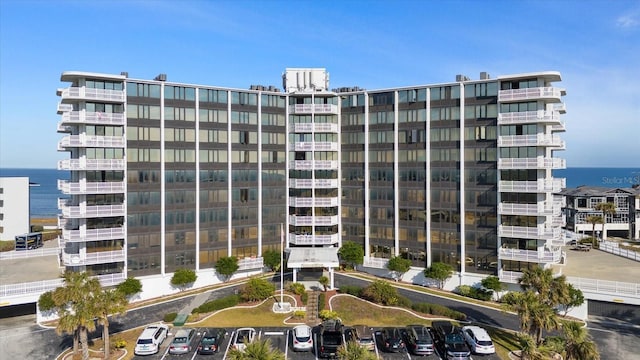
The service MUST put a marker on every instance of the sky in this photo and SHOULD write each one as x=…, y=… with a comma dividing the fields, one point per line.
x=375, y=44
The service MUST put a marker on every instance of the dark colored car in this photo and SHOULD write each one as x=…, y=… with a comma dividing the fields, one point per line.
x=211, y=341
x=450, y=340
x=330, y=339
x=391, y=339
x=418, y=340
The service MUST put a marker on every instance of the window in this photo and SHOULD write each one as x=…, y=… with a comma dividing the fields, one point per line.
x=213, y=96
x=143, y=90
x=179, y=93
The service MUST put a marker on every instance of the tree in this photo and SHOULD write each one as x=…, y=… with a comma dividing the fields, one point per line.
x=182, y=278
x=593, y=220
x=398, y=266
x=271, y=259
x=227, y=266
x=351, y=254
x=439, y=271
x=130, y=286
x=257, y=289
x=324, y=281
x=380, y=292
x=354, y=351
x=45, y=301
x=109, y=302
x=578, y=342
x=607, y=208
x=493, y=283
x=576, y=298
x=259, y=349
x=529, y=350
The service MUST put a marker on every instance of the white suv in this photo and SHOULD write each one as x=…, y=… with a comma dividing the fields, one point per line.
x=150, y=339
x=478, y=340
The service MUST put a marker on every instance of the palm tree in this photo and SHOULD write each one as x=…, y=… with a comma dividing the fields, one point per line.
x=324, y=281
x=108, y=301
x=579, y=344
x=529, y=349
x=522, y=303
x=607, y=208
x=537, y=279
x=354, y=351
x=543, y=317
x=593, y=220
x=260, y=349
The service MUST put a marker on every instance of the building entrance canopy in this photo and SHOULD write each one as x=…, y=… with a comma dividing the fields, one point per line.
x=313, y=257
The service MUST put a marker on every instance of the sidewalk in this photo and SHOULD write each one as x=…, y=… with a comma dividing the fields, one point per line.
x=197, y=300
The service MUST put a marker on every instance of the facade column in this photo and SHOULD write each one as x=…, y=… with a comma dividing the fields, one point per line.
x=331, y=278
x=295, y=275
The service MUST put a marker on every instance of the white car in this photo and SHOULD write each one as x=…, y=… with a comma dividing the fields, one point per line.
x=242, y=337
x=150, y=339
x=478, y=340
x=302, y=338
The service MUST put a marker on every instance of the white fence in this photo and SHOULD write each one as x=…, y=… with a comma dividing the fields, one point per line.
x=612, y=247
x=22, y=254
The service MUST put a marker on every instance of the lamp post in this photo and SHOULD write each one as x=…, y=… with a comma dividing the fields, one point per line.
x=281, y=264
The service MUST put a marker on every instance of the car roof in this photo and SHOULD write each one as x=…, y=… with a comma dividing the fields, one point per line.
x=478, y=332
x=363, y=330
x=183, y=333
x=302, y=330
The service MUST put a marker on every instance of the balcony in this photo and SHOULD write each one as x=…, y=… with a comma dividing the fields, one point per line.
x=534, y=256
x=313, y=109
x=510, y=277
x=313, y=165
x=102, y=257
x=376, y=263
x=317, y=183
x=79, y=188
x=92, y=164
x=313, y=220
x=84, y=117
x=75, y=141
x=84, y=93
x=539, y=186
x=532, y=163
x=316, y=127
x=313, y=239
x=540, y=209
x=313, y=202
x=250, y=263
x=531, y=140
x=62, y=108
x=525, y=232
x=76, y=212
x=530, y=117
x=315, y=146
x=537, y=93
x=93, y=234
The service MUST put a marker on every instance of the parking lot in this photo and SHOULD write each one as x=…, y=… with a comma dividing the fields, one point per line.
x=281, y=338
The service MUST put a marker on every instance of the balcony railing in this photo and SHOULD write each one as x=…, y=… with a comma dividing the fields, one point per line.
x=77, y=211
x=73, y=188
x=605, y=287
x=62, y=108
x=539, y=186
x=88, y=117
x=531, y=140
x=93, y=234
x=316, y=127
x=9, y=255
x=317, y=146
x=313, y=220
x=539, y=209
x=314, y=239
x=102, y=257
x=536, y=256
x=91, y=141
x=539, y=232
x=549, y=93
x=313, y=108
x=511, y=277
x=532, y=163
x=314, y=165
x=376, y=263
x=84, y=93
x=317, y=183
x=39, y=287
x=250, y=263
x=92, y=164
x=313, y=202
x=530, y=117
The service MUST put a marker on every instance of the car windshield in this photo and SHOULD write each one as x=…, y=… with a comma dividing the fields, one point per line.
x=144, y=341
x=454, y=339
x=180, y=340
x=485, y=343
x=209, y=340
x=243, y=336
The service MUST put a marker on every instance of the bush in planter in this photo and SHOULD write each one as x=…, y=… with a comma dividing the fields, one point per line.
x=170, y=317
x=304, y=297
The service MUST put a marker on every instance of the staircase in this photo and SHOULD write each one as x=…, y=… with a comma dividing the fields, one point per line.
x=312, y=308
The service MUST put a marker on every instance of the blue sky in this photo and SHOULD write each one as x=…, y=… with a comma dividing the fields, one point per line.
x=371, y=44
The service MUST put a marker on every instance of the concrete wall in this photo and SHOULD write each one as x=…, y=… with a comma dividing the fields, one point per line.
x=14, y=208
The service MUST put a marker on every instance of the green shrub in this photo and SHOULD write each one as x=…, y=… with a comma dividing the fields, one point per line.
x=304, y=297
x=403, y=302
x=130, y=286
x=257, y=289
x=119, y=343
x=217, y=304
x=436, y=309
x=45, y=302
x=170, y=317
x=299, y=314
x=328, y=314
x=321, y=300
x=381, y=292
x=7, y=245
x=297, y=288
x=351, y=290
x=37, y=228
x=474, y=292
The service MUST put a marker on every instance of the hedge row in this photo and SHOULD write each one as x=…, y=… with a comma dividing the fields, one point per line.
x=351, y=290
x=474, y=292
x=435, y=309
x=217, y=304
x=321, y=300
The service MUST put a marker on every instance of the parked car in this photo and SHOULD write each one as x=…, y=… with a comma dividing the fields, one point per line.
x=391, y=339
x=150, y=339
x=211, y=340
x=478, y=340
x=330, y=339
x=418, y=340
x=243, y=337
x=181, y=343
x=450, y=340
x=302, y=338
x=363, y=335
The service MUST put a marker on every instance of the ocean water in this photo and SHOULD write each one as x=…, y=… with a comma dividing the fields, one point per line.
x=44, y=198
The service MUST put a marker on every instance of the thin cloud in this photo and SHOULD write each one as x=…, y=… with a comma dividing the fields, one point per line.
x=630, y=20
